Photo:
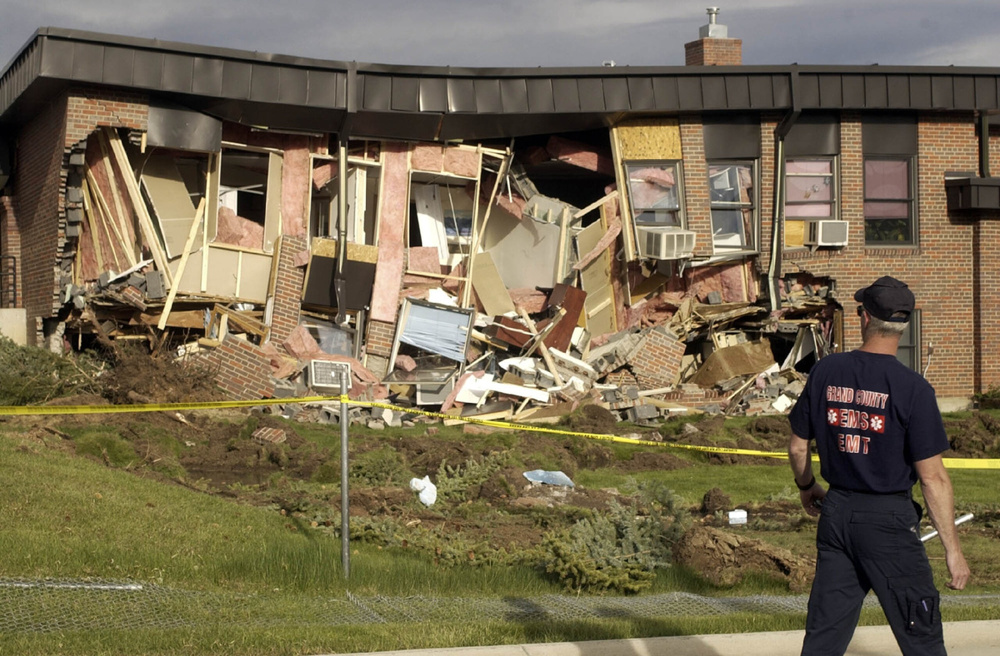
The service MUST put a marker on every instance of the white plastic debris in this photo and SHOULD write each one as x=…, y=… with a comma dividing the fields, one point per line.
x=548, y=477
x=737, y=517
x=428, y=491
x=782, y=403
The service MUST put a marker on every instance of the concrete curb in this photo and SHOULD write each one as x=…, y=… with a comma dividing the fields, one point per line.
x=978, y=638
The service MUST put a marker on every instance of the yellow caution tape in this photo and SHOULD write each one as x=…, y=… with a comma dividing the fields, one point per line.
x=35, y=410
x=45, y=410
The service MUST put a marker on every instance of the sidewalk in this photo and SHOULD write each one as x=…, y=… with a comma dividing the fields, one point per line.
x=980, y=638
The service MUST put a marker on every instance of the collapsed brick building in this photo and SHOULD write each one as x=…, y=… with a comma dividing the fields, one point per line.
x=422, y=224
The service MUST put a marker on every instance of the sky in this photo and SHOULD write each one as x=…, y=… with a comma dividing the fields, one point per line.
x=529, y=33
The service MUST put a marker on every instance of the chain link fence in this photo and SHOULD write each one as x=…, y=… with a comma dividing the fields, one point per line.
x=40, y=606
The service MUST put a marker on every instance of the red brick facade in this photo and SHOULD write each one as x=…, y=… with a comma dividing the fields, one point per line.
x=243, y=370
x=36, y=235
x=287, y=289
x=657, y=358
x=713, y=52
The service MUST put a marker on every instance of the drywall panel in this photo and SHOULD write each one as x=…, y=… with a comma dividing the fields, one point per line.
x=489, y=287
x=242, y=275
x=526, y=252
x=272, y=210
x=649, y=139
x=595, y=279
x=171, y=201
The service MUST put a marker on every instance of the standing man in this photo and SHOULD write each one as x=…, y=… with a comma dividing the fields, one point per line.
x=877, y=430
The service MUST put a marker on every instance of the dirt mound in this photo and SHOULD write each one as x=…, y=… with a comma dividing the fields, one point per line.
x=977, y=436
x=723, y=558
x=141, y=377
x=715, y=500
x=646, y=461
x=593, y=419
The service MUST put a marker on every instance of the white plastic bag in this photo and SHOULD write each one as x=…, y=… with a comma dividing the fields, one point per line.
x=428, y=491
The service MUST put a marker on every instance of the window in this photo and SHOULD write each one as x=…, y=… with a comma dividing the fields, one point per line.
x=888, y=200
x=909, y=344
x=810, y=193
x=654, y=193
x=734, y=208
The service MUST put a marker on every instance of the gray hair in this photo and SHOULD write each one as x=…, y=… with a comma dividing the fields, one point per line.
x=882, y=328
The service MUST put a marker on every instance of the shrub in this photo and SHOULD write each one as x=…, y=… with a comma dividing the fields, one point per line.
x=378, y=467
x=30, y=375
x=620, y=550
x=454, y=483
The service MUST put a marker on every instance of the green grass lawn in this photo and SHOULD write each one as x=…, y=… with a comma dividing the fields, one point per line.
x=70, y=518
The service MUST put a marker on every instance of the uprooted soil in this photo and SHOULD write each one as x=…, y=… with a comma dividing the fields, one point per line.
x=217, y=452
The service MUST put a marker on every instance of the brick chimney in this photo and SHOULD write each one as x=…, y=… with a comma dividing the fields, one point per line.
x=714, y=47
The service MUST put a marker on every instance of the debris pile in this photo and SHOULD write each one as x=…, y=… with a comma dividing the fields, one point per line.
x=478, y=281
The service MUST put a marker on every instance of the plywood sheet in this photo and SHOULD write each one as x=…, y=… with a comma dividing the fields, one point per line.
x=649, y=139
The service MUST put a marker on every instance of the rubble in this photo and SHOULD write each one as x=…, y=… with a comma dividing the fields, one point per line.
x=486, y=293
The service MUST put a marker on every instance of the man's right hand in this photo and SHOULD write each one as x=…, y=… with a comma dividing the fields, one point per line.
x=958, y=569
x=812, y=499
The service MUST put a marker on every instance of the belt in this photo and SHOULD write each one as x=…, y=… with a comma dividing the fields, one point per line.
x=906, y=494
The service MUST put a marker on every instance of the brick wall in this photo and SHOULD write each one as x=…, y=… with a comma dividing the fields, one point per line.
x=378, y=346
x=287, y=289
x=39, y=183
x=714, y=52
x=940, y=269
x=10, y=244
x=657, y=360
x=242, y=369
x=696, y=201
x=89, y=108
x=37, y=204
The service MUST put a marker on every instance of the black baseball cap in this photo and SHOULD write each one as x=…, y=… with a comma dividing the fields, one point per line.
x=887, y=299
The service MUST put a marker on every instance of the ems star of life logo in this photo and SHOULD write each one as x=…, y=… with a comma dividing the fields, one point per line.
x=848, y=418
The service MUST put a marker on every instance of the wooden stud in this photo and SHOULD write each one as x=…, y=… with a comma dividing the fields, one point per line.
x=192, y=233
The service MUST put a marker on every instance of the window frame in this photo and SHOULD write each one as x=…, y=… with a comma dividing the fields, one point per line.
x=678, y=170
x=753, y=204
x=911, y=199
x=834, y=201
x=909, y=343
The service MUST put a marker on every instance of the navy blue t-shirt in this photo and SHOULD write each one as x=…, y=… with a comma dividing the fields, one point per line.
x=871, y=418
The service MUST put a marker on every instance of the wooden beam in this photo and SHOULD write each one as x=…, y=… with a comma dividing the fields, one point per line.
x=120, y=213
x=139, y=204
x=549, y=362
x=192, y=233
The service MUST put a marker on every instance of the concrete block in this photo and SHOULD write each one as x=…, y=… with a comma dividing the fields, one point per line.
x=156, y=285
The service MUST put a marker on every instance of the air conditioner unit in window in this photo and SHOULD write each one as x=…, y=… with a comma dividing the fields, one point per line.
x=325, y=375
x=665, y=242
x=826, y=233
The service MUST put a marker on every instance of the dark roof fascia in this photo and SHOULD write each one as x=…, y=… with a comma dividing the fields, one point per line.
x=447, y=102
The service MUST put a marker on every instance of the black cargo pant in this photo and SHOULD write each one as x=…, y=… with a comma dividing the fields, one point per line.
x=870, y=542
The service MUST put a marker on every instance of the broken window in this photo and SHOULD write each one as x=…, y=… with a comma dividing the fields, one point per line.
x=654, y=193
x=733, y=203
x=441, y=218
x=362, y=201
x=435, y=337
x=249, y=214
x=810, y=194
